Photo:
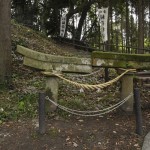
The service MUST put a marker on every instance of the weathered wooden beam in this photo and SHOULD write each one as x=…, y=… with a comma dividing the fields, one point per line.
x=52, y=58
x=119, y=63
x=119, y=60
x=121, y=56
x=42, y=65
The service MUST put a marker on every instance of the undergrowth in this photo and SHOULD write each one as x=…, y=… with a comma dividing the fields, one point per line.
x=16, y=105
x=75, y=104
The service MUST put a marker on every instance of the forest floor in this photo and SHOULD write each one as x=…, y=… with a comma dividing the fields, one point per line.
x=115, y=131
x=19, y=107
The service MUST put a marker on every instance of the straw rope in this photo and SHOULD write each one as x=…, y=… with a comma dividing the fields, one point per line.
x=88, y=86
x=86, y=75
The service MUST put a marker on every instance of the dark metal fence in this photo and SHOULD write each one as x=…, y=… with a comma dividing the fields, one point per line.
x=101, y=47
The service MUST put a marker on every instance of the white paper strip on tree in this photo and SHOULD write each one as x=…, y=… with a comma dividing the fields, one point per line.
x=63, y=26
x=103, y=18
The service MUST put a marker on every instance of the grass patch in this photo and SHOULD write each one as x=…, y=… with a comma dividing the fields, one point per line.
x=75, y=104
x=53, y=132
x=17, y=105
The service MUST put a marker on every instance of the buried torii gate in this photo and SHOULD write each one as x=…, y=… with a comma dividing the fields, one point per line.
x=57, y=64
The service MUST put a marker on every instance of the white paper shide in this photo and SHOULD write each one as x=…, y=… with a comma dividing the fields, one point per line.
x=103, y=18
x=63, y=25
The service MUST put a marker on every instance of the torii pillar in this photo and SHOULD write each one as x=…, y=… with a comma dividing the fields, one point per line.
x=51, y=92
x=126, y=90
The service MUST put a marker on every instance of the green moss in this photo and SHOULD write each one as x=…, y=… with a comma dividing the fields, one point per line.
x=120, y=56
x=53, y=132
x=120, y=63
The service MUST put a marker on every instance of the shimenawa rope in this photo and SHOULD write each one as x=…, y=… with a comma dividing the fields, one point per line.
x=88, y=86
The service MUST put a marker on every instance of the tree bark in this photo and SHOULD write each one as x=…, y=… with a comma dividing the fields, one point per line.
x=108, y=26
x=122, y=39
x=140, y=27
x=85, y=9
x=80, y=25
x=111, y=29
x=5, y=41
x=116, y=32
x=127, y=28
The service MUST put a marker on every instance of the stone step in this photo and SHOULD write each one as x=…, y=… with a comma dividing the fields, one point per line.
x=146, y=85
x=143, y=74
x=143, y=78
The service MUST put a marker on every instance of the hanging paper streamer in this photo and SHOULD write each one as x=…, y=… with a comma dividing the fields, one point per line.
x=103, y=18
x=63, y=26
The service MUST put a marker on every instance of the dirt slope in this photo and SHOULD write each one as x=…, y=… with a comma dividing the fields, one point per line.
x=37, y=41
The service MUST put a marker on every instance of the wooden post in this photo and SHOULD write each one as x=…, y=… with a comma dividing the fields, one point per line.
x=41, y=112
x=106, y=74
x=138, y=112
x=126, y=89
x=106, y=68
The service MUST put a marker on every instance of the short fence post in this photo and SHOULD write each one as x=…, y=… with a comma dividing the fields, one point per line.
x=41, y=112
x=138, y=111
x=106, y=74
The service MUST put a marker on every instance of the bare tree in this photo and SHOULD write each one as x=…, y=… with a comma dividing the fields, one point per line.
x=5, y=41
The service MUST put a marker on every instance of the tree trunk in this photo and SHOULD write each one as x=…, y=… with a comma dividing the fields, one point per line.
x=132, y=31
x=5, y=41
x=116, y=32
x=149, y=27
x=19, y=11
x=80, y=24
x=111, y=29
x=140, y=27
x=122, y=39
x=70, y=13
x=127, y=28
x=108, y=27
x=85, y=9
